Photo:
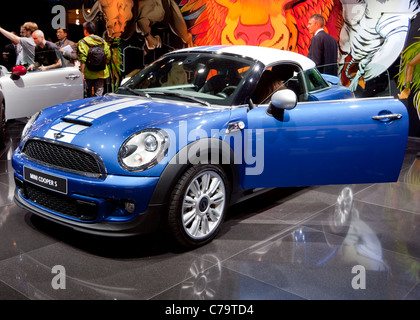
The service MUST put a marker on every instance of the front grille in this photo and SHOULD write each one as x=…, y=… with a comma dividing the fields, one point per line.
x=62, y=157
x=82, y=210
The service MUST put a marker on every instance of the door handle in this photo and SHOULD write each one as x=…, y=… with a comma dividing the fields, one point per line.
x=384, y=117
x=72, y=76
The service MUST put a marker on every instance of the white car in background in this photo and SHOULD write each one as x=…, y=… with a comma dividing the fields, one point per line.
x=24, y=93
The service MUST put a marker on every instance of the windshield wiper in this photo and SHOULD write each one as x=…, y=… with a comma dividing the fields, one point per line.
x=178, y=95
x=137, y=93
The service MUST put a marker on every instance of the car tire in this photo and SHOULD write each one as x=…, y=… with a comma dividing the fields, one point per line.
x=198, y=205
x=2, y=125
x=339, y=220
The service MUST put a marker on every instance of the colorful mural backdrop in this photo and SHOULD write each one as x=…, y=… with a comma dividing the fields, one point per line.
x=123, y=18
x=371, y=34
x=408, y=78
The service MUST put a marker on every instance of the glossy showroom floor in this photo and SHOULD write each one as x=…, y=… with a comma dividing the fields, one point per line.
x=326, y=242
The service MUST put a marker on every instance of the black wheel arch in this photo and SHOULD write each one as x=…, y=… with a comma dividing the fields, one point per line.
x=202, y=151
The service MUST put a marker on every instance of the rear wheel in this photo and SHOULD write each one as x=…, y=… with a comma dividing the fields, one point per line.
x=198, y=205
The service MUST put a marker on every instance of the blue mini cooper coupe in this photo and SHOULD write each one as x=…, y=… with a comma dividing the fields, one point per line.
x=193, y=132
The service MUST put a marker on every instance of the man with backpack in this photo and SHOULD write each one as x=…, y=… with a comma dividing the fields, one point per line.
x=94, y=54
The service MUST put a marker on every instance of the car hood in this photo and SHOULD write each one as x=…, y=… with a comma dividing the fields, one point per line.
x=102, y=124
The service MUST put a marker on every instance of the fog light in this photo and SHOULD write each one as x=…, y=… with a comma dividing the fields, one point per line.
x=129, y=206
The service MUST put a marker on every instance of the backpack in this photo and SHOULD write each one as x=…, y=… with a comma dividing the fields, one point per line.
x=96, y=58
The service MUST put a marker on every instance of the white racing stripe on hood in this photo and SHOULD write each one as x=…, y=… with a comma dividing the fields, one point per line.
x=83, y=111
x=107, y=110
x=61, y=126
x=66, y=132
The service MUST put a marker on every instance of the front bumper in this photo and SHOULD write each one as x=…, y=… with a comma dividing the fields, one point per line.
x=144, y=223
x=91, y=205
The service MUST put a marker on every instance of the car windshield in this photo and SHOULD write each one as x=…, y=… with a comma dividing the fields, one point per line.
x=198, y=77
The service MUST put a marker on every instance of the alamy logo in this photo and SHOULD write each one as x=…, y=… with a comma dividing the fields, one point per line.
x=359, y=280
x=59, y=280
x=59, y=20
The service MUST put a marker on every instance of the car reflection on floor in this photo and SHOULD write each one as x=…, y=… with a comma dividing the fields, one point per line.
x=301, y=243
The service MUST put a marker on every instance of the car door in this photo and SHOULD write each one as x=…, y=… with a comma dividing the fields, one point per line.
x=39, y=89
x=330, y=142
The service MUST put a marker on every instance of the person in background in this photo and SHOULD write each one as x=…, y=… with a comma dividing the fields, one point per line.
x=67, y=47
x=25, y=43
x=323, y=49
x=409, y=73
x=9, y=55
x=94, y=80
x=47, y=54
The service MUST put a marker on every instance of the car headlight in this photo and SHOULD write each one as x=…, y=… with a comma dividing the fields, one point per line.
x=143, y=149
x=29, y=124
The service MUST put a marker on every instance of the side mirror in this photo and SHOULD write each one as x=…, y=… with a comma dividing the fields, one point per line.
x=17, y=72
x=282, y=100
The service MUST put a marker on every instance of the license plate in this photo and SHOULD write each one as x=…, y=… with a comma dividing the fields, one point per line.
x=45, y=180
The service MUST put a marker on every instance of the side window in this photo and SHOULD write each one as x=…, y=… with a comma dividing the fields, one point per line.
x=314, y=81
x=282, y=76
x=291, y=76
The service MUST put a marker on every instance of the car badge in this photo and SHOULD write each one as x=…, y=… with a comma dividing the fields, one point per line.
x=58, y=135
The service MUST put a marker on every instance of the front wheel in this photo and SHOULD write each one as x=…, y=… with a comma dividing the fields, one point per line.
x=198, y=205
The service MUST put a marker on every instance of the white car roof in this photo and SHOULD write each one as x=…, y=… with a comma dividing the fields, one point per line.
x=266, y=55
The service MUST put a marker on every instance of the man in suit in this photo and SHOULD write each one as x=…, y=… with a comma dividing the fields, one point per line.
x=10, y=55
x=67, y=47
x=323, y=48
